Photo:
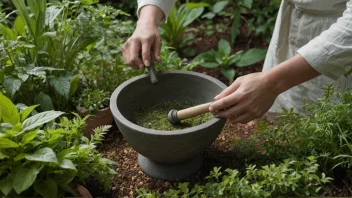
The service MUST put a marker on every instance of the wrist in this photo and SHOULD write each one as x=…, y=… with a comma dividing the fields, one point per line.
x=150, y=15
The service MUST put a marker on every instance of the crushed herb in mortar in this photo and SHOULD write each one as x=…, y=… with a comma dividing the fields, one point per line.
x=155, y=116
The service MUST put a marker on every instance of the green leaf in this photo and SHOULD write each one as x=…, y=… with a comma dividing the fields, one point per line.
x=25, y=113
x=11, y=85
x=7, y=143
x=235, y=28
x=209, y=15
x=229, y=73
x=40, y=119
x=24, y=178
x=219, y=6
x=29, y=137
x=192, y=15
x=19, y=25
x=6, y=184
x=248, y=3
x=251, y=56
x=8, y=111
x=206, y=59
x=19, y=157
x=224, y=47
x=44, y=101
x=47, y=188
x=67, y=164
x=196, y=4
x=88, y=2
x=3, y=156
x=2, y=76
x=61, y=86
x=234, y=58
x=42, y=155
x=7, y=33
x=73, y=85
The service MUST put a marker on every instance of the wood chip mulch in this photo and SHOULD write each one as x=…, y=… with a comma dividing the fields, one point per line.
x=129, y=176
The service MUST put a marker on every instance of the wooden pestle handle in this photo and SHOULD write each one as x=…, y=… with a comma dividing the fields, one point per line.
x=193, y=111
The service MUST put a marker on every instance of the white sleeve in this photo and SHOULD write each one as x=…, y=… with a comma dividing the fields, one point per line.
x=330, y=53
x=164, y=5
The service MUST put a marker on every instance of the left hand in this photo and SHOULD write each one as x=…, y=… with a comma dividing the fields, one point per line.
x=246, y=99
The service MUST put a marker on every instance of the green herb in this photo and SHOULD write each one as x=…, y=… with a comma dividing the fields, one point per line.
x=290, y=178
x=223, y=58
x=155, y=116
x=39, y=156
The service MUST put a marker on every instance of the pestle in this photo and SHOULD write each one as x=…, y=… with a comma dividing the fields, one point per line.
x=174, y=116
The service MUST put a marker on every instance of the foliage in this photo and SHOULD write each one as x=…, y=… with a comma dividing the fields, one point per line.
x=216, y=9
x=263, y=18
x=178, y=21
x=222, y=58
x=42, y=157
x=92, y=100
x=325, y=133
x=299, y=178
x=41, y=47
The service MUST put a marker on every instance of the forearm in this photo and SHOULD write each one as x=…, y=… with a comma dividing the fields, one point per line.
x=290, y=73
x=150, y=14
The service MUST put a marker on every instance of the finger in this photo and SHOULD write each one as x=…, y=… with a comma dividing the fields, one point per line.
x=134, y=59
x=232, y=112
x=225, y=102
x=146, y=46
x=124, y=50
x=157, y=49
x=244, y=119
x=232, y=88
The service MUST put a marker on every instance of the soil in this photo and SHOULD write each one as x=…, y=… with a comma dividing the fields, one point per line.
x=129, y=176
x=221, y=153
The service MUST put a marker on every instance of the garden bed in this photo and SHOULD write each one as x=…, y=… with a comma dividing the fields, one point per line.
x=221, y=153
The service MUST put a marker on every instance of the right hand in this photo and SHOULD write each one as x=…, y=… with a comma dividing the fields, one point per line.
x=145, y=39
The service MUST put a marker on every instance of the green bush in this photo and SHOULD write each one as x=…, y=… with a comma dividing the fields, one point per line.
x=290, y=178
x=326, y=132
x=43, y=157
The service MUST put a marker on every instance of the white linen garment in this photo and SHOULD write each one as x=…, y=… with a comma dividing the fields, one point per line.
x=164, y=5
x=319, y=30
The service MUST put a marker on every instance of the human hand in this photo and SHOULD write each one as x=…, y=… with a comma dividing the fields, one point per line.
x=246, y=99
x=145, y=39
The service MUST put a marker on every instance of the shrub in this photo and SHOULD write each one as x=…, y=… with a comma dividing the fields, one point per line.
x=43, y=157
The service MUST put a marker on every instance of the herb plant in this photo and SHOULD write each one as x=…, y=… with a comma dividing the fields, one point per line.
x=41, y=46
x=178, y=21
x=42, y=157
x=216, y=9
x=325, y=133
x=290, y=178
x=92, y=100
x=223, y=58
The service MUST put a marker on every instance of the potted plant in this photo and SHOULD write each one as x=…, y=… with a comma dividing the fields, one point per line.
x=94, y=103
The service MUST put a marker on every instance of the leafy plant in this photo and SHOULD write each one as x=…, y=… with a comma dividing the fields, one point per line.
x=42, y=157
x=223, y=58
x=216, y=9
x=299, y=178
x=92, y=100
x=178, y=21
x=263, y=18
x=40, y=49
x=325, y=133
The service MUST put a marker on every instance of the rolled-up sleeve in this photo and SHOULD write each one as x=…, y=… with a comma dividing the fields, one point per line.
x=164, y=5
x=330, y=53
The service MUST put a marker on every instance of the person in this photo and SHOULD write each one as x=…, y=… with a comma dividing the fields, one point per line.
x=311, y=46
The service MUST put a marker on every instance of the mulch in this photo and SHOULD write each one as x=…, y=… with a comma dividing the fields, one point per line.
x=130, y=177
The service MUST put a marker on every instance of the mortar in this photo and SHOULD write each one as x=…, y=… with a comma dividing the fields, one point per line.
x=167, y=155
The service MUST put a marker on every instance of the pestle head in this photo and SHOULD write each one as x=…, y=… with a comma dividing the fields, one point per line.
x=172, y=117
